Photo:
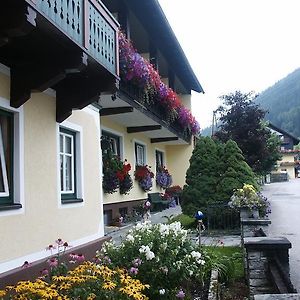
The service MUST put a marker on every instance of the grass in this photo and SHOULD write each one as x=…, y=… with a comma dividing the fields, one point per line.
x=186, y=221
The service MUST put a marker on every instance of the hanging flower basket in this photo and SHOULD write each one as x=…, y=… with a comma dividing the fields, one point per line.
x=144, y=177
x=163, y=177
x=116, y=175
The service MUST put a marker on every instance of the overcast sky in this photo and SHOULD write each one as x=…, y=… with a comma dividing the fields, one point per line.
x=244, y=45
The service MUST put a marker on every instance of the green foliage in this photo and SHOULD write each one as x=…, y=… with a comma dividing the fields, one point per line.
x=229, y=261
x=215, y=171
x=242, y=121
x=186, y=221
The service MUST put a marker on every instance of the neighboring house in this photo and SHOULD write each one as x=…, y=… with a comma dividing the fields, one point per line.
x=50, y=183
x=137, y=130
x=288, y=165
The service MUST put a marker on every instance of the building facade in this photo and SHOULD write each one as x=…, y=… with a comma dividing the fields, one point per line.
x=66, y=100
x=135, y=119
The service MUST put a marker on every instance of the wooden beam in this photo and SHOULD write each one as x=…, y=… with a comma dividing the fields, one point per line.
x=41, y=75
x=77, y=92
x=115, y=110
x=164, y=139
x=143, y=128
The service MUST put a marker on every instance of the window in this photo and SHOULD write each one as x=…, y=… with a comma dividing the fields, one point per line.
x=67, y=156
x=6, y=157
x=159, y=158
x=110, y=142
x=140, y=155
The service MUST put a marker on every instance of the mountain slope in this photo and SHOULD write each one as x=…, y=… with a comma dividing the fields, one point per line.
x=282, y=101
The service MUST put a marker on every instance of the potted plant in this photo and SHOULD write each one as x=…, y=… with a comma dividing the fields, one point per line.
x=144, y=177
x=249, y=202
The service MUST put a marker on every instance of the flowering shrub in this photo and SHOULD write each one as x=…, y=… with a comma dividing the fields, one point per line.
x=163, y=177
x=144, y=177
x=248, y=197
x=174, y=191
x=86, y=281
x=116, y=174
x=160, y=255
x=137, y=70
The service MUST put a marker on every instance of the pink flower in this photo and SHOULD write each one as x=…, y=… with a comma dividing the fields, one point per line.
x=80, y=257
x=180, y=294
x=59, y=242
x=50, y=247
x=26, y=265
x=137, y=262
x=53, y=262
x=45, y=272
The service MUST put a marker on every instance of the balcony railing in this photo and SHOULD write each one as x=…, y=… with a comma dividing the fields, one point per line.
x=156, y=112
x=88, y=23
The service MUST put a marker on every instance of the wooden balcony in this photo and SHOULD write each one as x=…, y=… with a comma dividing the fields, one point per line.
x=68, y=45
x=136, y=98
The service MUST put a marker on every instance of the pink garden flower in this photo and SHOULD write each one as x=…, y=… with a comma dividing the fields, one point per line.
x=45, y=272
x=53, y=262
x=180, y=294
x=26, y=265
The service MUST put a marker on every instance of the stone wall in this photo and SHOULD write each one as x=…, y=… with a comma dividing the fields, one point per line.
x=266, y=258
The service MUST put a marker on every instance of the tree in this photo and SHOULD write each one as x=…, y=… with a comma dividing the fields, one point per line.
x=242, y=121
x=201, y=178
x=234, y=171
x=215, y=170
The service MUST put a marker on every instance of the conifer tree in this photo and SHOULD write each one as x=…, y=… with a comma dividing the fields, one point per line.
x=201, y=176
x=234, y=171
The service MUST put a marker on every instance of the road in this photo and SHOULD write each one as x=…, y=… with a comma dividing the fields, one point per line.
x=285, y=217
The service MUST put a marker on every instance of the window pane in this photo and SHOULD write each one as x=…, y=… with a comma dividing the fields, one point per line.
x=2, y=190
x=69, y=177
x=6, y=140
x=61, y=141
x=68, y=144
x=61, y=173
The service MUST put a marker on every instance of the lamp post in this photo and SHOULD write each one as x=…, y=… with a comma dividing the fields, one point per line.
x=199, y=217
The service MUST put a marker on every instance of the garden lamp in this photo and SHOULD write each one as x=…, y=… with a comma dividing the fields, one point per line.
x=199, y=217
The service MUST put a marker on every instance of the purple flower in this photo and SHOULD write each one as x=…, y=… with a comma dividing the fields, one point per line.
x=26, y=265
x=137, y=262
x=133, y=270
x=180, y=294
x=45, y=272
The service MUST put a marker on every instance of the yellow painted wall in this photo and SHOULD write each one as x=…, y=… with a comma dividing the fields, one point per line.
x=43, y=220
x=288, y=157
x=178, y=162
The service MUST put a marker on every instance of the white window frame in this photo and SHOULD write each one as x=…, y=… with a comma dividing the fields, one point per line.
x=3, y=167
x=18, y=157
x=78, y=162
x=137, y=142
x=64, y=154
x=121, y=139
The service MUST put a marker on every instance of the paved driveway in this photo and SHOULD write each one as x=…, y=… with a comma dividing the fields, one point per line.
x=285, y=217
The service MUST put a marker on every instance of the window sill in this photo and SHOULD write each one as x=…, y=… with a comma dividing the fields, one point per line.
x=69, y=201
x=10, y=206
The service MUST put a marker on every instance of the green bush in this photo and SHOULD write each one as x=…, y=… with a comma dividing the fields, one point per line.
x=186, y=221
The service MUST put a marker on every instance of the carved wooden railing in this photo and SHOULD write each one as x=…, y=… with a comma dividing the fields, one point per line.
x=88, y=23
x=157, y=112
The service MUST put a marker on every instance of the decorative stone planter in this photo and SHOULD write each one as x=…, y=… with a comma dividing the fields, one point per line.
x=246, y=213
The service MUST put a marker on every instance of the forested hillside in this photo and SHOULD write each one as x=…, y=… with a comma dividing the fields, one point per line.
x=282, y=101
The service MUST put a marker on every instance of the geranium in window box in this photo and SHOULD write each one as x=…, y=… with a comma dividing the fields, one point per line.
x=124, y=177
x=144, y=177
x=116, y=174
x=163, y=177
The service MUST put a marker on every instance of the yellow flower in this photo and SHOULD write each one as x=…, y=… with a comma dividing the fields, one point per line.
x=91, y=296
x=2, y=293
x=109, y=285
